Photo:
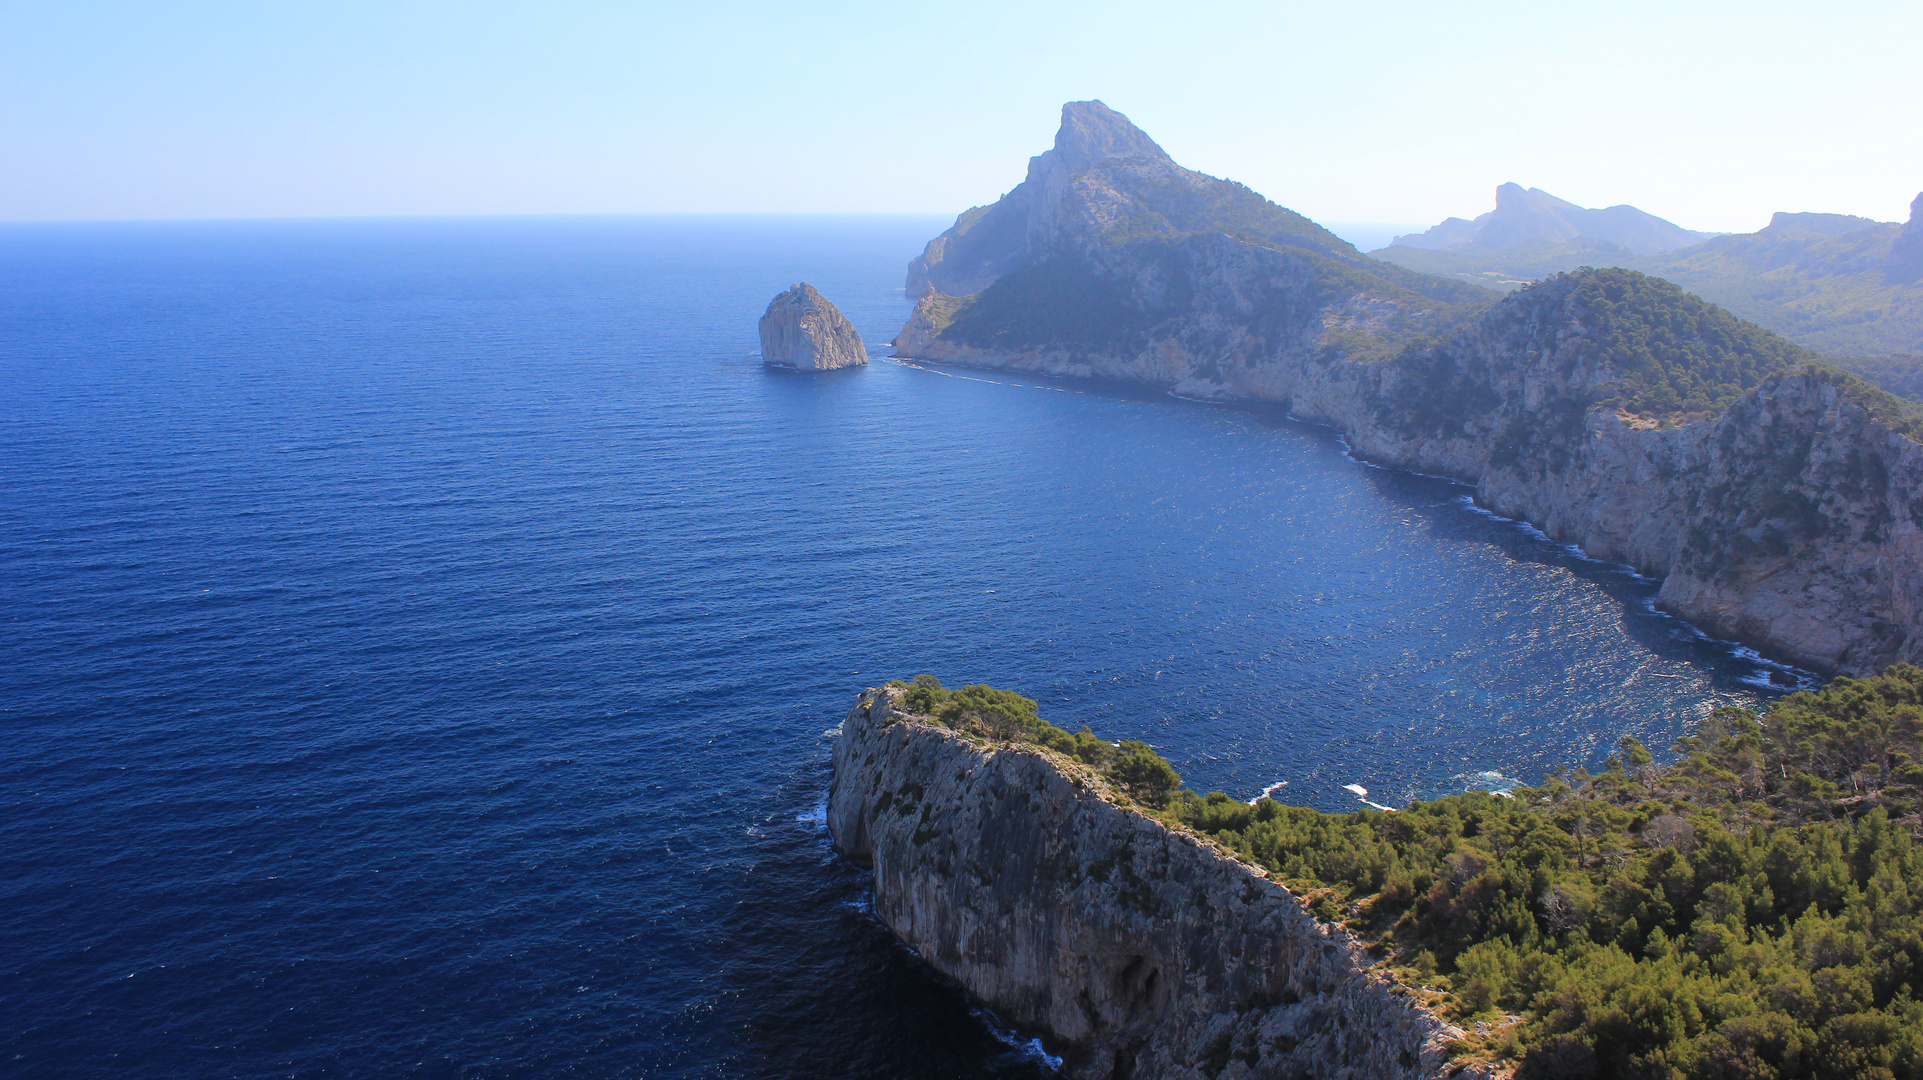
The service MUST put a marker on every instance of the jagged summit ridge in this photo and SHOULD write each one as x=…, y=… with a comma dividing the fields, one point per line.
x=1525, y=215
x=1103, y=181
x=989, y=241
x=1092, y=132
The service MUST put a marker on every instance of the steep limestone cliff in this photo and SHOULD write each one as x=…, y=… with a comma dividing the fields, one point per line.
x=1776, y=500
x=1792, y=518
x=802, y=330
x=1138, y=950
x=1906, y=252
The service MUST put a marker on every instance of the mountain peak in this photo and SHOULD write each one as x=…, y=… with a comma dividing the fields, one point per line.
x=1103, y=180
x=1532, y=215
x=1093, y=132
x=1784, y=221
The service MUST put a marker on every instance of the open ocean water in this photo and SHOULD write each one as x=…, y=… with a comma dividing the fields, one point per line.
x=422, y=640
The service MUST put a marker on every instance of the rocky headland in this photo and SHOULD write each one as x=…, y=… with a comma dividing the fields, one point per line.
x=1139, y=949
x=1780, y=500
x=1749, y=910
x=802, y=330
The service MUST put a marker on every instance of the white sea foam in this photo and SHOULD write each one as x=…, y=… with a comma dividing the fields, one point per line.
x=899, y=362
x=1032, y=1049
x=818, y=816
x=1489, y=780
x=1805, y=680
x=1268, y=791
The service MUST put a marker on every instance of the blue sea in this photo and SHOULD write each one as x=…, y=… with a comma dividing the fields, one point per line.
x=423, y=639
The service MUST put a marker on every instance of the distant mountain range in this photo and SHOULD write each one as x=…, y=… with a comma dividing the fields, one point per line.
x=1842, y=285
x=1533, y=215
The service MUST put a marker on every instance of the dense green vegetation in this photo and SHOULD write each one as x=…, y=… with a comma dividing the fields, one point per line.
x=1753, y=910
x=1675, y=358
x=1676, y=354
x=1006, y=716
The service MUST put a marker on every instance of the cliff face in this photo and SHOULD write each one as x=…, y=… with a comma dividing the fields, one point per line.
x=802, y=330
x=1783, y=519
x=1906, y=252
x=1139, y=950
x=1792, y=519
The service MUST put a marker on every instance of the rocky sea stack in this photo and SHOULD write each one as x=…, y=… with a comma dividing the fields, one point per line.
x=802, y=330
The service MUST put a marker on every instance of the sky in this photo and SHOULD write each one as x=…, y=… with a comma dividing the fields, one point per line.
x=1710, y=114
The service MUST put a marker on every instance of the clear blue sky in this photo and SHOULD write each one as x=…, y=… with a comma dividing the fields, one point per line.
x=1712, y=114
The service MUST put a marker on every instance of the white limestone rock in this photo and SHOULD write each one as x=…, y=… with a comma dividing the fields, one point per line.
x=802, y=330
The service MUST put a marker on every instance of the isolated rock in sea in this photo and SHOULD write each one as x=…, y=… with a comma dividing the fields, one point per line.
x=1138, y=950
x=802, y=330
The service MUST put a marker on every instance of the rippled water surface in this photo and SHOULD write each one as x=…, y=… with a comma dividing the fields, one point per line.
x=421, y=640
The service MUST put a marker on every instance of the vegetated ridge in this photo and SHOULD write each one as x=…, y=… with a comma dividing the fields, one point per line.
x=1780, y=499
x=1753, y=910
x=1842, y=285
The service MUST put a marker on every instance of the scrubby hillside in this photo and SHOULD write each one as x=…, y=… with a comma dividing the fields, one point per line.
x=1754, y=909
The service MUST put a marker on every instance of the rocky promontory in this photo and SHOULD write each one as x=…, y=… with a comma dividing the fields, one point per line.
x=1137, y=949
x=1781, y=501
x=802, y=330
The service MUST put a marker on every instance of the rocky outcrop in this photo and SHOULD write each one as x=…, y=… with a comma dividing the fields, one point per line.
x=1906, y=253
x=1784, y=221
x=1137, y=950
x=989, y=241
x=802, y=330
x=1784, y=520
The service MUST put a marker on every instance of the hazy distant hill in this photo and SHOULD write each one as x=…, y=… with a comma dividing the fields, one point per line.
x=1832, y=282
x=1837, y=284
x=1533, y=216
